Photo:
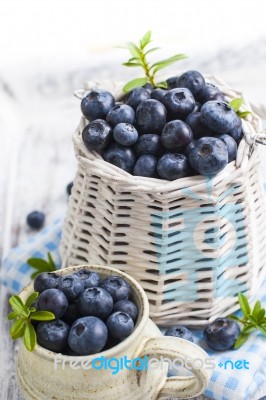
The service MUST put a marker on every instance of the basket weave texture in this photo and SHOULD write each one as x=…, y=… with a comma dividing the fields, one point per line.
x=192, y=244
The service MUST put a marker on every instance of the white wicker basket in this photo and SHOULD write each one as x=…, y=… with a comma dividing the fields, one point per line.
x=193, y=243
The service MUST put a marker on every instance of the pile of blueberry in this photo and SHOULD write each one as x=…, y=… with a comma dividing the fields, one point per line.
x=91, y=314
x=184, y=130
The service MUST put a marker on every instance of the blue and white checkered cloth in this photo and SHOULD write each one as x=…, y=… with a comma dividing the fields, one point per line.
x=227, y=382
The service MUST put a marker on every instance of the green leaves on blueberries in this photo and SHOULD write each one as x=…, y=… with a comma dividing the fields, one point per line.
x=42, y=265
x=139, y=59
x=253, y=319
x=236, y=104
x=23, y=314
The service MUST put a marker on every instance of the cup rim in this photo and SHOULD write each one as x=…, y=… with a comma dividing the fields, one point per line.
x=101, y=269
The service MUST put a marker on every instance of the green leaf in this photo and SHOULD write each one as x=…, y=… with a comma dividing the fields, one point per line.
x=134, y=83
x=234, y=318
x=12, y=315
x=261, y=315
x=256, y=309
x=262, y=329
x=16, y=303
x=243, y=114
x=152, y=50
x=20, y=333
x=236, y=103
x=17, y=327
x=38, y=263
x=252, y=319
x=244, y=305
x=248, y=329
x=29, y=337
x=242, y=338
x=42, y=316
x=51, y=262
x=132, y=64
x=34, y=274
x=32, y=309
x=162, y=85
x=145, y=40
x=134, y=51
x=32, y=297
x=164, y=63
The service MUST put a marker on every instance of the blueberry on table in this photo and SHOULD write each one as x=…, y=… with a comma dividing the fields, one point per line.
x=97, y=135
x=97, y=104
x=71, y=286
x=146, y=166
x=199, y=129
x=96, y=302
x=136, y=96
x=173, y=166
x=120, y=156
x=230, y=145
x=151, y=116
x=180, y=332
x=176, y=134
x=45, y=280
x=158, y=94
x=53, y=335
x=125, y=134
x=35, y=219
x=192, y=80
x=149, y=143
x=237, y=131
x=117, y=287
x=219, y=116
x=209, y=92
x=89, y=278
x=128, y=307
x=179, y=103
x=69, y=188
x=221, y=334
x=88, y=335
x=120, y=325
x=209, y=156
x=52, y=300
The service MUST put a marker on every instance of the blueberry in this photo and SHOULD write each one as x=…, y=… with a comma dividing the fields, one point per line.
x=197, y=107
x=97, y=135
x=172, y=82
x=176, y=134
x=121, y=113
x=128, y=307
x=69, y=188
x=97, y=104
x=89, y=278
x=209, y=156
x=221, y=334
x=237, y=131
x=52, y=300
x=72, y=313
x=149, y=143
x=158, y=94
x=45, y=280
x=145, y=166
x=149, y=87
x=117, y=287
x=71, y=286
x=198, y=127
x=53, y=335
x=180, y=332
x=120, y=324
x=189, y=147
x=95, y=301
x=191, y=80
x=136, y=96
x=219, y=116
x=173, y=166
x=151, y=116
x=35, y=219
x=120, y=156
x=231, y=146
x=179, y=103
x=88, y=335
x=125, y=134
x=209, y=92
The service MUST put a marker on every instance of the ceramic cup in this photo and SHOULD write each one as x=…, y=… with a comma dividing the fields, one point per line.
x=45, y=375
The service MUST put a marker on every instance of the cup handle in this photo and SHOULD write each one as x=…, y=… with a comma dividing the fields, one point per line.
x=177, y=348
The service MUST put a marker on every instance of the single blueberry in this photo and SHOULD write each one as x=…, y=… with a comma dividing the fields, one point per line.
x=72, y=313
x=209, y=156
x=209, y=92
x=149, y=143
x=231, y=146
x=97, y=104
x=89, y=278
x=120, y=156
x=121, y=113
x=53, y=335
x=146, y=166
x=117, y=287
x=221, y=334
x=173, y=166
x=219, y=116
x=69, y=188
x=128, y=307
x=52, y=300
x=136, y=96
x=172, y=82
x=35, y=219
x=120, y=324
x=198, y=127
x=191, y=80
x=151, y=116
x=45, y=280
x=176, y=134
x=158, y=94
x=96, y=302
x=149, y=87
x=125, y=134
x=237, y=131
x=71, y=286
x=97, y=135
x=180, y=332
x=179, y=103
x=88, y=335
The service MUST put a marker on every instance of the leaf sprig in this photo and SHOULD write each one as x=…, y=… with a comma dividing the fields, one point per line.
x=236, y=104
x=253, y=319
x=23, y=314
x=42, y=265
x=139, y=59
